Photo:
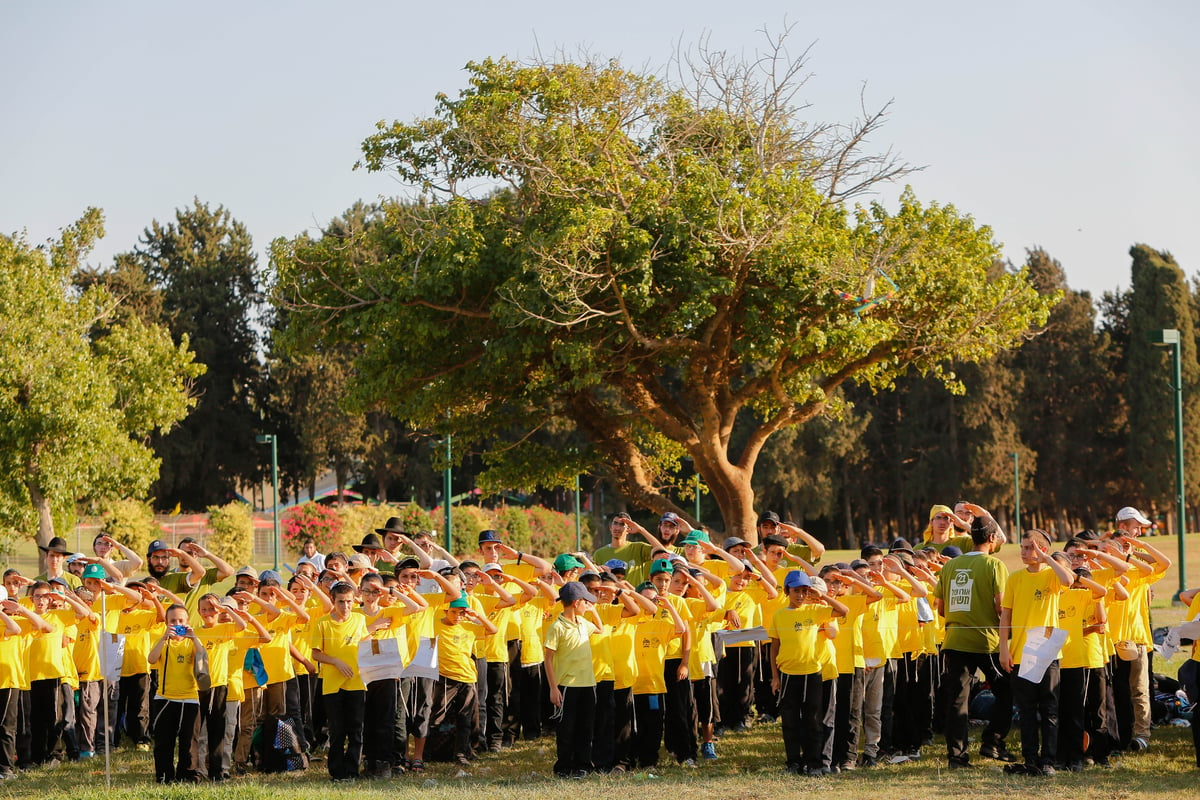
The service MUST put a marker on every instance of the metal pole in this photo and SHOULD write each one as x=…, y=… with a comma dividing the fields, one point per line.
x=446, y=476
x=1017, y=494
x=275, y=490
x=102, y=632
x=697, y=499
x=1180, y=510
x=578, y=530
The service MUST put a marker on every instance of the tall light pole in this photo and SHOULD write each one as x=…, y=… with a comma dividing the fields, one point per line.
x=447, y=474
x=578, y=522
x=1016, y=457
x=1170, y=338
x=270, y=438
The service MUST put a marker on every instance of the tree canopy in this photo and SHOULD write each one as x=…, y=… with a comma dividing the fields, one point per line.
x=651, y=264
x=82, y=386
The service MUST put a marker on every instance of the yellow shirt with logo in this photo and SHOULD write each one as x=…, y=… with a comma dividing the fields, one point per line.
x=276, y=654
x=801, y=644
x=570, y=641
x=652, y=637
x=218, y=640
x=176, y=671
x=1033, y=599
x=340, y=640
x=456, y=647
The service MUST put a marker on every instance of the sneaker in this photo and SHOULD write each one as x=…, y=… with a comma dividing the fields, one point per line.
x=867, y=761
x=579, y=774
x=708, y=751
x=1045, y=771
x=384, y=772
x=997, y=754
x=914, y=755
x=849, y=765
x=143, y=747
x=794, y=769
x=689, y=763
x=816, y=772
x=87, y=754
x=1019, y=769
x=1138, y=744
x=959, y=763
x=899, y=758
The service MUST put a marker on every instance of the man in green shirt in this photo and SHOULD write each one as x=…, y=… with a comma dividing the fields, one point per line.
x=969, y=590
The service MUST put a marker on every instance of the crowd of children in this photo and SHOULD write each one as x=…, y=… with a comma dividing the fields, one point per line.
x=400, y=652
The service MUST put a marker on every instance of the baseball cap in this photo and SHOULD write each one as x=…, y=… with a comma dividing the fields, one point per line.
x=460, y=602
x=695, y=537
x=269, y=575
x=858, y=563
x=574, y=590
x=733, y=541
x=670, y=517
x=71, y=559
x=488, y=536
x=359, y=561
x=775, y=539
x=768, y=516
x=950, y=551
x=492, y=566
x=1129, y=512
x=94, y=571
x=155, y=546
x=408, y=563
x=662, y=565
x=566, y=562
x=796, y=578
x=248, y=571
x=819, y=584
x=616, y=565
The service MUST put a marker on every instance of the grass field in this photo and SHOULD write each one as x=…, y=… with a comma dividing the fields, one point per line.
x=749, y=768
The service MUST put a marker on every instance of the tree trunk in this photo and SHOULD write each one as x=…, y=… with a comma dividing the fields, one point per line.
x=45, y=528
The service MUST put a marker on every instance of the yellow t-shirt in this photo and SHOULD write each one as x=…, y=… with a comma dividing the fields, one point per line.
x=533, y=620
x=86, y=652
x=13, y=672
x=46, y=649
x=176, y=671
x=1193, y=610
x=398, y=620
x=879, y=629
x=456, y=643
x=848, y=645
x=571, y=643
x=1076, y=611
x=235, y=691
x=1137, y=619
x=702, y=624
x=652, y=637
x=746, y=606
x=340, y=640
x=218, y=641
x=621, y=645
x=276, y=654
x=302, y=637
x=602, y=657
x=1033, y=598
x=801, y=643
x=675, y=646
x=136, y=625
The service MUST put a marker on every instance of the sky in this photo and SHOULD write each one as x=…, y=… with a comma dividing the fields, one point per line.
x=1064, y=124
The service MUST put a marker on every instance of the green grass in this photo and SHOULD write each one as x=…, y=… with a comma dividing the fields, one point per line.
x=750, y=768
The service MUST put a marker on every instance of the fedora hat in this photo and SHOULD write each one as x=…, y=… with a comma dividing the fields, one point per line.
x=393, y=525
x=56, y=545
x=370, y=542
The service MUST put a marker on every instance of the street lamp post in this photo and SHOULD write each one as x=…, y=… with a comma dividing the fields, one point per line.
x=1016, y=457
x=1170, y=338
x=447, y=488
x=270, y=438
x=578, y=521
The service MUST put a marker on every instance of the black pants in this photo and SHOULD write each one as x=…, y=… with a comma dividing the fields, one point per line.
x=43, y=719
x=133, y=703
x=300, y=708
x=524, y=715
x=648, y=729
x=10, y=702
x=576, y=728
x=801, y=711
x=603, y=744
x=828, y=720
x=512, y=716
x=457, y=706
x=379, y=724
x=848, y=716
x=479, y=723
x=212, y=725
x=24, y=737
x=679, y=722
x=1038, y=707
x=735, y=684
x=956, y=684
x=1072, y=714
x=894, y=684
x=175, y=728
x=764, y=699
x=1097, y=720
x=404, y=688
x=497, y=703
x=622, y=729
x=344, y=715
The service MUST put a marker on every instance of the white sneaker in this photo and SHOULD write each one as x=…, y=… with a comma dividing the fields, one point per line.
x=689, y=764
x=899, y=758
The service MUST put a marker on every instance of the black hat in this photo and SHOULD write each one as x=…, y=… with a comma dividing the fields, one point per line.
x=774, y=539
x=56, y=545
x=488, y=536
x=370, y=542
x=900, y=546
x=408, y=563
x=574, y=590
x=393, y=525
x=768, y=516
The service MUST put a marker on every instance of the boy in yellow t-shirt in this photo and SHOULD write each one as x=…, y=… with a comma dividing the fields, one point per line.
x=1081, y=615
x=335, y=641
x=175, y=726
x=572, y=680
x=652, y=639
x=1030, y=604
x=456, y=632
x=798, y=634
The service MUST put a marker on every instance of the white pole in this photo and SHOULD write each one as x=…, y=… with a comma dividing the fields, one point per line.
x=108, y=737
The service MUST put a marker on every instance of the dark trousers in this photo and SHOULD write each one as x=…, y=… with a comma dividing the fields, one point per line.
x=210, y=757
x=801, y=711
x=379, y=724
x=175, y=728
x=575, y=729
x=894, y=684
x=648, y=729
x=1072, y=713
x=344, y=715
x=848, y=717
x=1038, y=707
x=43, y=719
x=622, y=728
x=404, y=688
x=512, y=715
x=10, y=701
x=603, y=735
x=679, y=723
x=497, y=703
x=65, y=730
x=912, y=703
x=300, y=708
x=24, y=737
x=524, y=715
x=828, y=719
x=960, y=669
x=133, y=704
x=457, y=707
x=418, y=695
x=479, y=723
x=735, y=684
x=1098, y=721
x=764, y=698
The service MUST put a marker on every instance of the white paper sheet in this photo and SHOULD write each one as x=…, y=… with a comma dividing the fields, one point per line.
x=1039, y=652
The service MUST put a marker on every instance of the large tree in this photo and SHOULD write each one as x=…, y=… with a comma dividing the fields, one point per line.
x=650, y=262
x=82, y=384
x=204, y=268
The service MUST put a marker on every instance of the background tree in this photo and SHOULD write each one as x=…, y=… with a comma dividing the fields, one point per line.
x=204, y=267
x=82, y=386
x=1159, y=298
x=650, y=264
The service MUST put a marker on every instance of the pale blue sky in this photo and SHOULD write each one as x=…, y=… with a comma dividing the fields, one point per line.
x=1072, y=125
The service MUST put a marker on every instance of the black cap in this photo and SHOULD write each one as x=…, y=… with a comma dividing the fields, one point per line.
x=768, y=516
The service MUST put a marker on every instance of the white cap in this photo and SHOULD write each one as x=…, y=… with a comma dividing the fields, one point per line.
x=492, y=566
x=819, y=584
x=1129, y=512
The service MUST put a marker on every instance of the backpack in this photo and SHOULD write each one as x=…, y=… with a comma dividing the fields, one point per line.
x=279, y=747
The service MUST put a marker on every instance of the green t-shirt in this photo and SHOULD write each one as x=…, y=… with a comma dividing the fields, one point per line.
x=968, y=586
x=635, y=554
x=803, y=551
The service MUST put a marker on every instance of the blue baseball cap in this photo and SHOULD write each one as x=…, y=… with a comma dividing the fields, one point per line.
x=616, y=565
x=671, y=517
x=796, y=578
x=488, y=536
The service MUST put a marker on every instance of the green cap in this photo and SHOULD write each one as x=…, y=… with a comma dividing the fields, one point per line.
x=94, y=571
x=662, y=565
x=695, y=537
x=460, y=602
x=567, y=562
x=644, y=585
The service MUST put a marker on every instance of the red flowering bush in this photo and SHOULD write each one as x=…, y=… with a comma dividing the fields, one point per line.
x=311, y=521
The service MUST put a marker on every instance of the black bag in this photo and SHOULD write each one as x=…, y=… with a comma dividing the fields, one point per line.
x=279, y=746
